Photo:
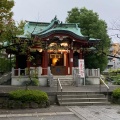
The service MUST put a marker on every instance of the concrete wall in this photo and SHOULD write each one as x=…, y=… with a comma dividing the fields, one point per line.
x=20, y=80
x=43, y=81
x=93, y=80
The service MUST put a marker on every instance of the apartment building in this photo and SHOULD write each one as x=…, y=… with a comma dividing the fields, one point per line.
x=113, y=62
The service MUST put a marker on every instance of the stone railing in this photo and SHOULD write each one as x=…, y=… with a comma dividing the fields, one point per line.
x=92, y=72
x=19, y=76
x=91, y=76
x=33, y=70
x=88, y=72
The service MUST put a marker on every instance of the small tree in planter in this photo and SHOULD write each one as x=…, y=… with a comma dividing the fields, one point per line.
x=116, y=96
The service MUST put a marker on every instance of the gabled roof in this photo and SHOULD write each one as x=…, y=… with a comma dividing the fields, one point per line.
x=45, y=30
x=41, y=28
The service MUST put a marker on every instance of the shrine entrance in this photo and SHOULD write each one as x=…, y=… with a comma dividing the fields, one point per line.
x=57, y=64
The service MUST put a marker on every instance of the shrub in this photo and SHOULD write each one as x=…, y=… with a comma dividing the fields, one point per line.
x=36, y=96
x=35, y=82
x=116, y=93
x=116, y=79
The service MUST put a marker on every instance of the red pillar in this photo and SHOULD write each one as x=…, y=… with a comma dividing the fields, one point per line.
x=81, y=55
x=43, y=59
x=45, y=62
x=71, y=61
x=66, y=63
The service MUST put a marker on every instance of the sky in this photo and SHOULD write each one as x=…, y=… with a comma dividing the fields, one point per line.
x=45, y=11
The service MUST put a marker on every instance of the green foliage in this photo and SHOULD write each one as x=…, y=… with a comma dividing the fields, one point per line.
x=5, y=11
x=20, y=26
x=5, y=65
x=93, y=27
x=115, y=76
x=116, y=93
x=35, y=82
x=6, y=22
x=29, y=96
x=8, y=27
x=31, y=82
x=116, y=79
x=114, y=71
x=100, y=61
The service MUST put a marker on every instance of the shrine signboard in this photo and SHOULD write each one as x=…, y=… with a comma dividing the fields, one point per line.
x=81, y=68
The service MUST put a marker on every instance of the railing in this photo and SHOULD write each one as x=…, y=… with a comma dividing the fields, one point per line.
x=50, y=79
x=24, y=72
x=101, y=80
x=59, y=84
x=88, y=72
x=77, y=79
x=19, y=72
x=92, y=72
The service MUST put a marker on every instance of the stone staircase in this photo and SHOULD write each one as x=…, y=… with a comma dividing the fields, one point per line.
x=81, y=98
x=5, y=79
x=64, y=80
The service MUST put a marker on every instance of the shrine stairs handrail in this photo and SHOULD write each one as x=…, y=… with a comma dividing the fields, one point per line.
x=101, y=80
x=61, y=89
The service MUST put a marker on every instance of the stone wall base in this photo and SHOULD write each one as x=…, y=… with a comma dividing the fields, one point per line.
x=92, y=80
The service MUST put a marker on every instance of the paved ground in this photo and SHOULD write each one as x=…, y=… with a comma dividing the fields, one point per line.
x=51, y=109
x=95, y=88
x=54, y=112
x=108, y=112
x=50, y=117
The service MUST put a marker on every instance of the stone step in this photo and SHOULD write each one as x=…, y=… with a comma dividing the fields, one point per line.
x=88, y=94
x=83, y=103
x=64, y=82
x=62, y=76
x=82, y=100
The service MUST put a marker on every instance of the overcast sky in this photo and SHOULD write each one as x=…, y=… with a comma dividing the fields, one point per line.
x=45, y=10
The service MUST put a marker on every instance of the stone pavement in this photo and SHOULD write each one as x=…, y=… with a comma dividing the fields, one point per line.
x=82, y=88
x=107, y=112
x=51, y=109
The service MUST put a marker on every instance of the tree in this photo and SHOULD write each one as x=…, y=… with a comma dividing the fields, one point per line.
x=92, y=27
x=6, y=25
x=20, y=27
x=8, y=30
x=6, y=22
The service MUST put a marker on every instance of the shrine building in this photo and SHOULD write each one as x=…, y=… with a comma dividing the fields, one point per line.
x=62, y=46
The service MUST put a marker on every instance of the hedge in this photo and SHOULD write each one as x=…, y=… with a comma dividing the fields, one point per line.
x=36, y=96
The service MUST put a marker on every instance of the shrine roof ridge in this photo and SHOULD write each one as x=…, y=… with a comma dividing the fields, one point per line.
x=45, y=29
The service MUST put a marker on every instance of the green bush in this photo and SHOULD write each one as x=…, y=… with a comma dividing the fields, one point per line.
x=35, y=82
x=36, y=96
x=5, y=65
x=116, y=79
x=116, y=93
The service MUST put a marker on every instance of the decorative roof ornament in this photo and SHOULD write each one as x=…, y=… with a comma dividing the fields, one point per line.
x=55, y=18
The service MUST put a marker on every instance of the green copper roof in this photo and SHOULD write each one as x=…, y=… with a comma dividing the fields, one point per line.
x=44, y=30
x=40, y=28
